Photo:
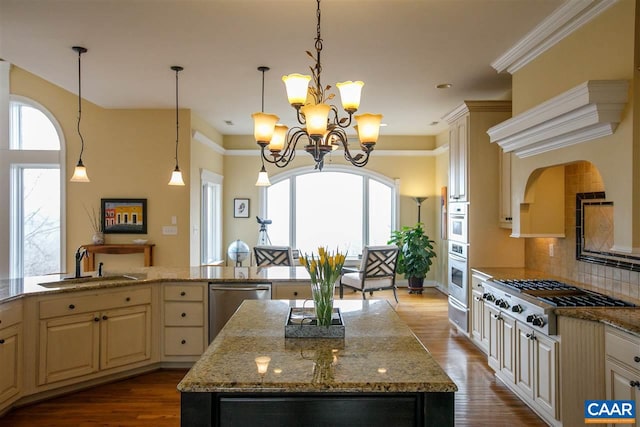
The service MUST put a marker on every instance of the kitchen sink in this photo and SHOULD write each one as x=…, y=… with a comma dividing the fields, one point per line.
x=72, y=282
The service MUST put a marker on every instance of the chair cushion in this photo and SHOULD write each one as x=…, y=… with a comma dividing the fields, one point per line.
x=355, y=280
x=352, y=279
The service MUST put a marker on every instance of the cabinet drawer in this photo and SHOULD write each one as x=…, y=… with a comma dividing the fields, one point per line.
x=10, y=313
x=184, y=314
x=623, y=347
x=184, y=293
x=64, y=305
x=292, y=292
x=183, y=341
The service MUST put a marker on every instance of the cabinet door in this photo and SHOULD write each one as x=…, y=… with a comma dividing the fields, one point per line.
x=477, y=317
x=69, y=347
x=619, y=381
x=495, y=339
x=507, y=350
x=454, y=154
x=458, y=157
x=524, y=359
x=504, y=193
x=10, y=362
x=125, y=336
x=545, y=374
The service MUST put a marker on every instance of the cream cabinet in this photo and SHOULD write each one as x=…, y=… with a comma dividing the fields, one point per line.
x=480, y=316
x=536, y=369
x=90, y=332
x=291, y=291
x=184, y=314
x=504, y=192
x=458, y=159
x=501, y=356
x=10, y=352
x=622, y=366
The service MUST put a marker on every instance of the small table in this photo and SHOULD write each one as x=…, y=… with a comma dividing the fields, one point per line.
x=92, y=250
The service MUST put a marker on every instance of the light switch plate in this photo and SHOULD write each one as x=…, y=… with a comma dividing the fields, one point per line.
x=169, y=230
x=174, y=220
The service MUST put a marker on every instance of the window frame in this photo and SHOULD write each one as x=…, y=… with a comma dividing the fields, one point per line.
x=12, y=161
x=366, y=174
x=208, y=178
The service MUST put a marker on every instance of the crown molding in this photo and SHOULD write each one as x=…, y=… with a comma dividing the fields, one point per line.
x=588, y=111
x=202, y=138
x=566, y=19
x=477, y=106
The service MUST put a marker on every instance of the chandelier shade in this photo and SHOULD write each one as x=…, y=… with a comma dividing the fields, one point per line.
x=320, y=129
x=176, y=175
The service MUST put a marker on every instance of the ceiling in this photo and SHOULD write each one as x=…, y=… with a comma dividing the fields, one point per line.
x=401, y=49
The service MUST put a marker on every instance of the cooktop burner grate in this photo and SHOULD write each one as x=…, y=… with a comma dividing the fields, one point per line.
x=535, y=284
x=585, y=300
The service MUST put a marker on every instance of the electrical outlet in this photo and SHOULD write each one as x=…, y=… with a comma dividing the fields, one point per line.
x=551, y=249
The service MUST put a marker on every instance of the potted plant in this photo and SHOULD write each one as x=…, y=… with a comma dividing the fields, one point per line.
x=414, y=259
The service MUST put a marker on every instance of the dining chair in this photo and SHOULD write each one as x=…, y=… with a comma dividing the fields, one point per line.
x=377, y=271
x=273, y=255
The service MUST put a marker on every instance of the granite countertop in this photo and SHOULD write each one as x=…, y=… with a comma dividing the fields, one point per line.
x=626, y=318
x=378, y=354
x=55, y=283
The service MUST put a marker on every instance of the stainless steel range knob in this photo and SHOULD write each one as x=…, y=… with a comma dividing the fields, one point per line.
x=530, y=318
x=538, y=321
x=517, y=308
x=503, y=304
x=498, y=302
x=487, y=296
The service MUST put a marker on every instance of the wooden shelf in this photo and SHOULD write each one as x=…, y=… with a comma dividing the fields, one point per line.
x=123, y=249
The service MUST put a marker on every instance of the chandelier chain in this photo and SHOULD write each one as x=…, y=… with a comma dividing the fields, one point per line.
x=80, y=50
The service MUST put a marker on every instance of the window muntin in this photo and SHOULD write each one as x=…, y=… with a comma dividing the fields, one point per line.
x=333, y=208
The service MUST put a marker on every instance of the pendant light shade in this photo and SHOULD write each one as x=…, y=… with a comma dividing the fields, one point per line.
x=263, y=178
x=80, y=172
x=176, y=175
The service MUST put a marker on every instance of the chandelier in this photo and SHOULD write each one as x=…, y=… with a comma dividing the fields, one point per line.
x=321, y=130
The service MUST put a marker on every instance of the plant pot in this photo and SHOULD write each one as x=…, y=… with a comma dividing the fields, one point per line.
x=416, y=284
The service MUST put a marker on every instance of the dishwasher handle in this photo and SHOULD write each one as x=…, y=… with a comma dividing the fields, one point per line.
x=239, y=288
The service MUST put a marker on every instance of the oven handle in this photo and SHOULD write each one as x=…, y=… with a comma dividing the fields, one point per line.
x=455, y=257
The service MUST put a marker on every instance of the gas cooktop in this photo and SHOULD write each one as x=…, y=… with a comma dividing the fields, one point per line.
x=559, y=294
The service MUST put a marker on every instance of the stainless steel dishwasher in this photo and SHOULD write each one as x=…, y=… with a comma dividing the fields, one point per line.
x=225, y=298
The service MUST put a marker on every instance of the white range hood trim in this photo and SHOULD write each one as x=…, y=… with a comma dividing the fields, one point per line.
x=590, y=110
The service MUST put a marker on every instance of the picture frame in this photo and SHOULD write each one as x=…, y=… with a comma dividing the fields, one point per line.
x=123, y=216
x=241, y=208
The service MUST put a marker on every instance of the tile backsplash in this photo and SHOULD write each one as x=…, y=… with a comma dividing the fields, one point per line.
x=581, y=177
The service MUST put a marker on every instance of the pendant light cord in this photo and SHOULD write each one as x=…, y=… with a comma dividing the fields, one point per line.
x=177, y=69
x=80, y=104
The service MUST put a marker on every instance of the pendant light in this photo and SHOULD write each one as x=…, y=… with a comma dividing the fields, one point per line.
x=176, y=175
x=263, y=176
x=80, y=172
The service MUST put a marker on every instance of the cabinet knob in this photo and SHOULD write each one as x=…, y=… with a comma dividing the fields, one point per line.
x=96, y=319
x=183, y=293
x=71, y=306
x=104, y=317
x=636, y=359
x=634, y=384
x=1, y=341
x=295, y=293
x=127, y=299
x=183, y=315
x=183, y=342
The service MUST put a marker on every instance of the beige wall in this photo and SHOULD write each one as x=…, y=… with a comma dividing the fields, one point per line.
x=441, y=180
x=417, y=178
x=603, y=49
x=129, y=154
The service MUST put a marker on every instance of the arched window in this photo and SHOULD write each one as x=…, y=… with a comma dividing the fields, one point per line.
x=35, y=159
x=338, y=207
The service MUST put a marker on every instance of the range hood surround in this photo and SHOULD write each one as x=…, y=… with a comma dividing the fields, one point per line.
x=588, y=111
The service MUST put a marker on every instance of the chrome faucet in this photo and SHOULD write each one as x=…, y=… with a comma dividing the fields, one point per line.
x=80, y=253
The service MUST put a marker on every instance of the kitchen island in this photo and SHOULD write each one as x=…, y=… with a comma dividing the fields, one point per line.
x=379, y=374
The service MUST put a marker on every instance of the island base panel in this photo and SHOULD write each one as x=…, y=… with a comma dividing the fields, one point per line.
x=317, y=409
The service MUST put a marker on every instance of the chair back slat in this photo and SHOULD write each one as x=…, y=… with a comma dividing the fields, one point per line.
x=273, y=255
x=380, y=261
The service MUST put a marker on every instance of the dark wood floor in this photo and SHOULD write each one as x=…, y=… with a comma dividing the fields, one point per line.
x=151, y=400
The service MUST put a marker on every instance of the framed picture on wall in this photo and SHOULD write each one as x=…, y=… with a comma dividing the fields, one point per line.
x=241, y=208
x=124, y=216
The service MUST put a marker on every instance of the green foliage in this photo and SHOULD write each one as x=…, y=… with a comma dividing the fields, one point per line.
x=416, y=251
